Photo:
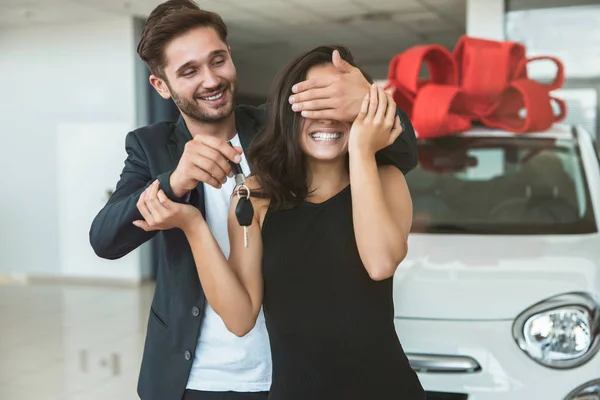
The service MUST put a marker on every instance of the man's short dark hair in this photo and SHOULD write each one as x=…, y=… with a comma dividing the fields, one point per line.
x=166, y=22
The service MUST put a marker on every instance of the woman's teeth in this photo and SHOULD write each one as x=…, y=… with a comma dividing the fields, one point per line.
x=325, y=136
x=212, y=98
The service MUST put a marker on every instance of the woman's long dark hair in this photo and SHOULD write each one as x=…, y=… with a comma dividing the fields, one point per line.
x=275, y=157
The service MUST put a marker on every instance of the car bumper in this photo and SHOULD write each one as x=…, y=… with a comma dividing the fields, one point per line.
x=504, y=372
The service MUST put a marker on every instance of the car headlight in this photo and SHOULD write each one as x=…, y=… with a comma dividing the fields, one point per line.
x=560, y=332
x=588, y=391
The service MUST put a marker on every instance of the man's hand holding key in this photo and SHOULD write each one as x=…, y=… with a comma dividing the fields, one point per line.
x=204, y=159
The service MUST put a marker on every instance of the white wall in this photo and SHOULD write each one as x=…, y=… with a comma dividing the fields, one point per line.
x=485, y=19
x=76, y=73
x=570, y=34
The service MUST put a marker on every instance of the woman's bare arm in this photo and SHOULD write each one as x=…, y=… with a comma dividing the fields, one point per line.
x=381, y=202
x=234, y=287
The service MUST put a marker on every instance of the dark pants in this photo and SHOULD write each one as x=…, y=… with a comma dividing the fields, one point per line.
x=198, y=395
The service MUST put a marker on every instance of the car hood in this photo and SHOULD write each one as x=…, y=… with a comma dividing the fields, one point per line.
x=476, y=277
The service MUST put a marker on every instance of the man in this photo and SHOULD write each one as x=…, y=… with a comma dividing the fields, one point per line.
x=189, y=353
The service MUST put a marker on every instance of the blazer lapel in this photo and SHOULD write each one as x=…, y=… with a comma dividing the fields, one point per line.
x=181, y=135
x=246, y=128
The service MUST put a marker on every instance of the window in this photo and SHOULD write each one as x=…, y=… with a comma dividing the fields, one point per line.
x=500, y=185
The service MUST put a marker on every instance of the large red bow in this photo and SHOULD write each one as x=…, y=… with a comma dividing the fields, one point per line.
x=483, y=80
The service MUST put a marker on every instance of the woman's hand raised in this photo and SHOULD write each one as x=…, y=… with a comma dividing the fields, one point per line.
x=377, y=125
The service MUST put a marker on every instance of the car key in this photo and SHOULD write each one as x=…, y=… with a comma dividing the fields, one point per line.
x=240, y=179
x=244, y=211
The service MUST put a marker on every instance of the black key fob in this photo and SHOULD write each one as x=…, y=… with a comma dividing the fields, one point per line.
x=244, y=211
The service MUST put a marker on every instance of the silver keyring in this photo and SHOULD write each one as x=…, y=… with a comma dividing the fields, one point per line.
x=247, y=190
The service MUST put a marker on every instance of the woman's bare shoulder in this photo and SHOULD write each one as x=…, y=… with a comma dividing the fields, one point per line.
x=252, y=183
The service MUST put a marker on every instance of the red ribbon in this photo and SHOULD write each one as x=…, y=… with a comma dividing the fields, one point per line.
x=483, y=80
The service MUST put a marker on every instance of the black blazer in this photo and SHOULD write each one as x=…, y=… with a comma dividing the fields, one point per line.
x=178, y=304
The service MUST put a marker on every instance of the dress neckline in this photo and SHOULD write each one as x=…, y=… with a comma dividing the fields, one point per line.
x=312, y=204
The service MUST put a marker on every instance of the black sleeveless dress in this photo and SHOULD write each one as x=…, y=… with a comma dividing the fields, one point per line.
x=330, y=325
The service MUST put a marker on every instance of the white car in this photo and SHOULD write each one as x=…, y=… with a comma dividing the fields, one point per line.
x=498, y=297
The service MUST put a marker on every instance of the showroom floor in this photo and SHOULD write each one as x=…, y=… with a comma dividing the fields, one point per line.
x=62, y=342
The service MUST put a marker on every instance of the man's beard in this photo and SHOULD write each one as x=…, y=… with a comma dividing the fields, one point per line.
x=195, y=110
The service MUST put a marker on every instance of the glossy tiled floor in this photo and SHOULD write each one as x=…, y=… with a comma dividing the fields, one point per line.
x=64, y=342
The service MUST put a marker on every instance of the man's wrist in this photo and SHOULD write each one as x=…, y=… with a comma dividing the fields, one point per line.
x=165, y=179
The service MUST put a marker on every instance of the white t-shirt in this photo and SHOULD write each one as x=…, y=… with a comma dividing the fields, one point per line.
x=223, y=361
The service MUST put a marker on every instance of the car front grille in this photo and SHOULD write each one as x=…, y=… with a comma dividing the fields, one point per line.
x=445, y=396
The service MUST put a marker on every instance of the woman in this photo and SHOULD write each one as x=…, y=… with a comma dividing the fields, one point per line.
x=329, y=229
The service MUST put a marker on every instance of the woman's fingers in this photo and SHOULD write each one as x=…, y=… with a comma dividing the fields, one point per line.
x=396, y=130
x=373, y=101
x=151, y=199
x=382, y=105
x=364, y=108
x=390, y=114
x=143, y=209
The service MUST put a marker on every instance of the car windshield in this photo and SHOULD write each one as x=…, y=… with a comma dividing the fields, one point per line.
x=500, y=185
